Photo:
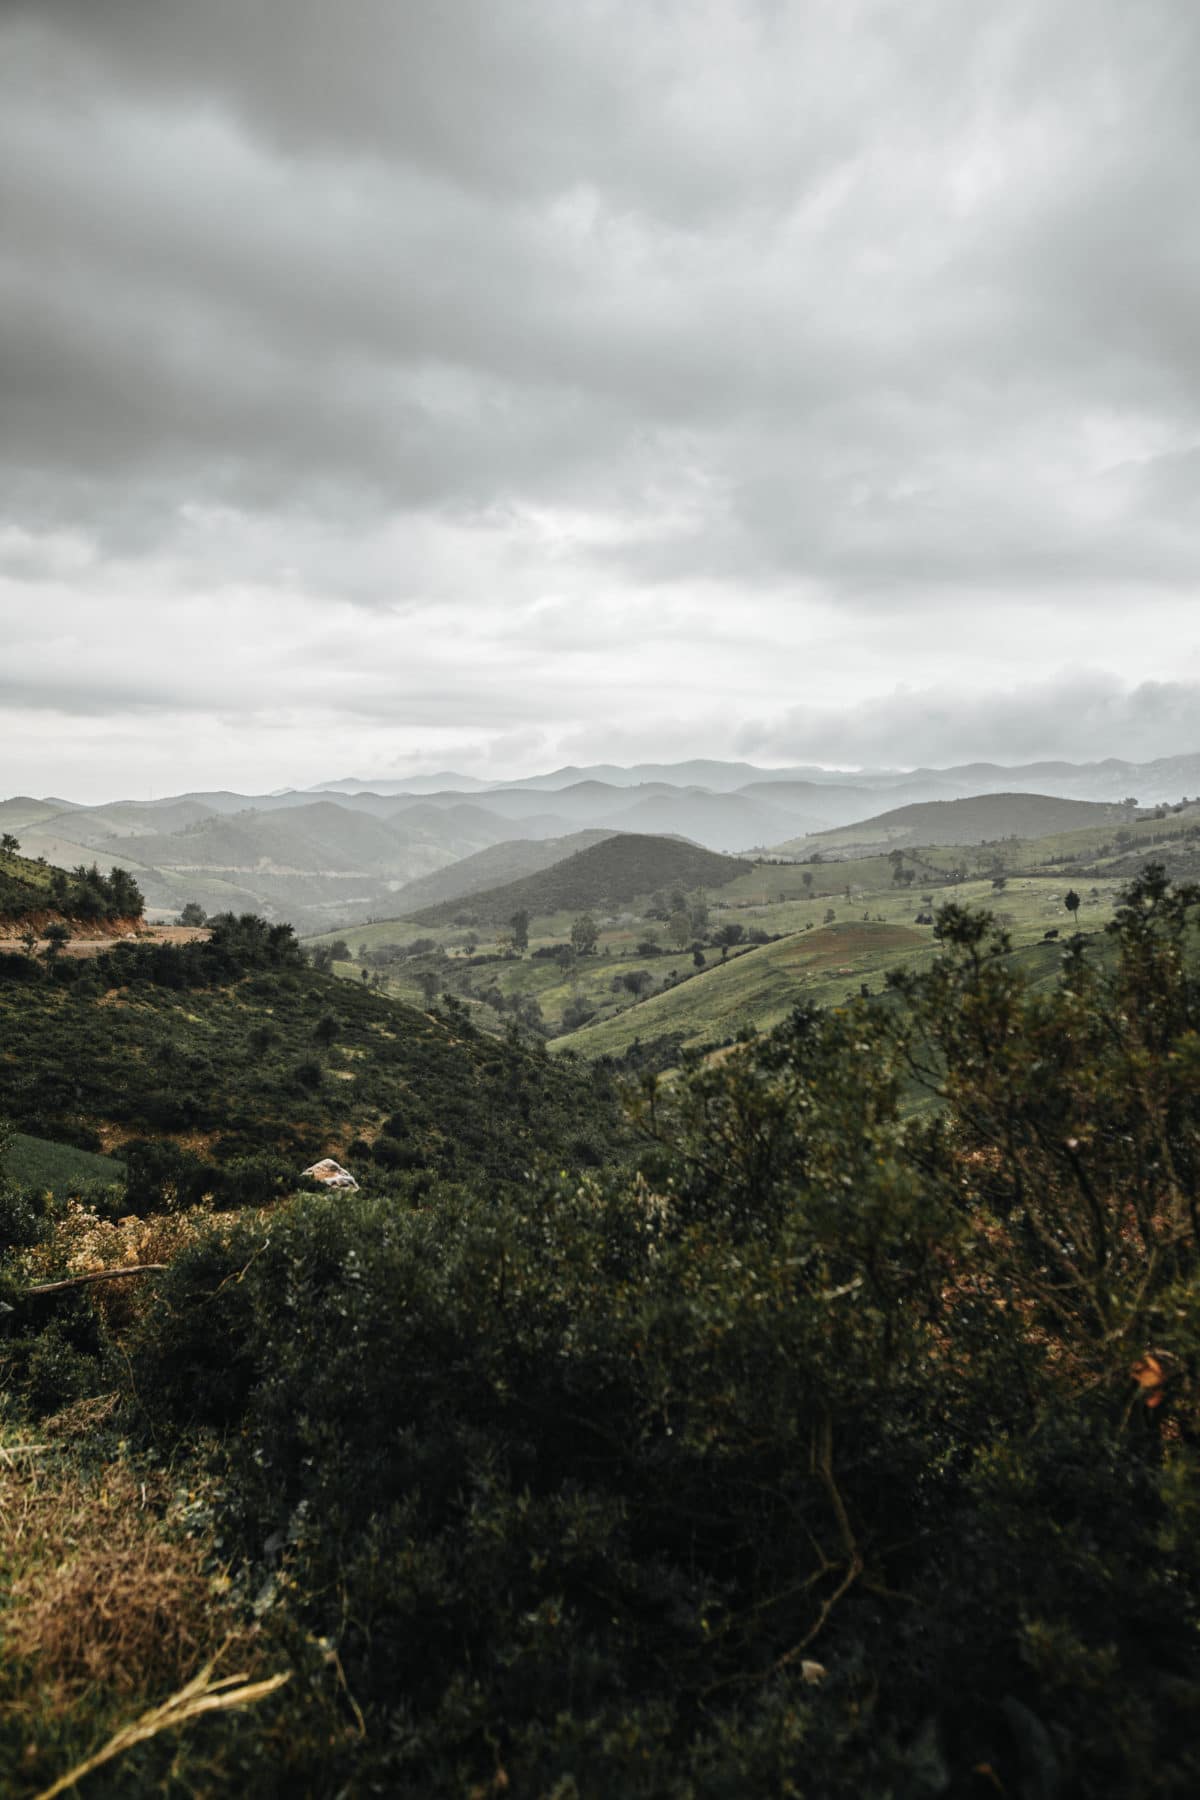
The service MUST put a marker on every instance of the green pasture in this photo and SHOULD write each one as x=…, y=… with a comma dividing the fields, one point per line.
x=759, y=987
x=37, y=1163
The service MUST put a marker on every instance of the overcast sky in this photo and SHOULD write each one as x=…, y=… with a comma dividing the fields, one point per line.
x=491, y=384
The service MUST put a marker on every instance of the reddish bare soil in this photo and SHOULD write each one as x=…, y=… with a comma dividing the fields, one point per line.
x=94, y=939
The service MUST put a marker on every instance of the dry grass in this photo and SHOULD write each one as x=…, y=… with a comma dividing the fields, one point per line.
x=99, y=1595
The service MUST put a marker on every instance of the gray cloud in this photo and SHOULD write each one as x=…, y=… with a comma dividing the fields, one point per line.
x=1076, y=718
x=739, y=340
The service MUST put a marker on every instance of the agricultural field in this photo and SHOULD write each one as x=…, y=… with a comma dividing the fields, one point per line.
x=832, y=926
x=58, y=1168
x=824, y=963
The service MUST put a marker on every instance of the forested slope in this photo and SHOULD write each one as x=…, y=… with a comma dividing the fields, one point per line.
x=237, y=1048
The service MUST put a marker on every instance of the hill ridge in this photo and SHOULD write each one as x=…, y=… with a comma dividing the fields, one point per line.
x=622, y=867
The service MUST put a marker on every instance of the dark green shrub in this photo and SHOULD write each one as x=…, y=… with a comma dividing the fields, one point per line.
x=584, y=1477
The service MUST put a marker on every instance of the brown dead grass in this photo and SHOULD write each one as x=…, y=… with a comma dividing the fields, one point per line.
x=99, y=1594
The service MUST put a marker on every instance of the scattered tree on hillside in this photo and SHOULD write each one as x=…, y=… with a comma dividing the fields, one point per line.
x=679, y=928
x=8, y=843
x=584, y=934
x=57, y=934
x=519, y=926
x=1071, y=902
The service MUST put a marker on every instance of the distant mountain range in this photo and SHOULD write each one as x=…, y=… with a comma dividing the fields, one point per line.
x=1107, y=780
x=348, y=850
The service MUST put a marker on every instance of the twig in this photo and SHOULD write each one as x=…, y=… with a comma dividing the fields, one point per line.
x=200, y=1695
x=56, y=1287
x=823, y=1466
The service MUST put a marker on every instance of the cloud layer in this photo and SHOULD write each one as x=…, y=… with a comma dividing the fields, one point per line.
x=383, y=382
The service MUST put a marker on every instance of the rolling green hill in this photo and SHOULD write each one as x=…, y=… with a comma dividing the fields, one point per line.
x=495, y=866
x=760, y=987
x=621, y=868
x=981, y=819
x=826, y=962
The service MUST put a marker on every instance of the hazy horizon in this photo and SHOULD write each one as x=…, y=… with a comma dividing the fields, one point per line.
x=500, y=388
x=87, y=793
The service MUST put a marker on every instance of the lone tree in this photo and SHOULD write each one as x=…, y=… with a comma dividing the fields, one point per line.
x=679, y=928
x=1071, y=902
x=519, y=926
x=57, y=934
x=584, y=933
x=8, y=843
x=193, y=914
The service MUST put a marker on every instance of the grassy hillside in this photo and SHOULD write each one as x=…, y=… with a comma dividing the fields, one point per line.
x=24, y=885
x=493, y=867
x=235, y=1048
x=824, y=963
x=620, y=868
x=28, y=887
x=759, y=987
x=982, y=819
x=59, y=1168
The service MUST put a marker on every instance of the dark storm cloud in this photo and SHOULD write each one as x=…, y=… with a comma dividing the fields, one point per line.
x=881, y=308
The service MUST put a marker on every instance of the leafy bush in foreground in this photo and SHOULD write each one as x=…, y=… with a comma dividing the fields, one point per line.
x=832, y=1455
